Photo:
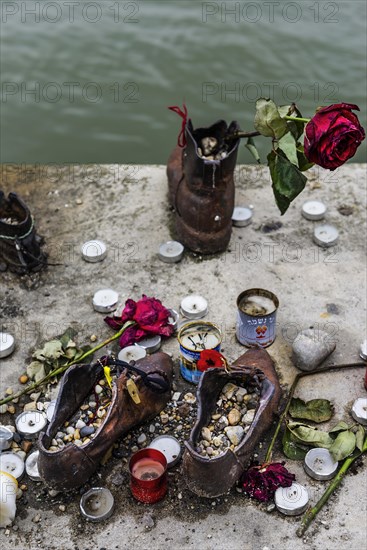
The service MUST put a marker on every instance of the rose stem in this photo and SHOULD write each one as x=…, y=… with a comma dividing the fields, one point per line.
x=297, y=119
x=62, y=369
x=298, y=376
x=241, y=134
x=312, y=512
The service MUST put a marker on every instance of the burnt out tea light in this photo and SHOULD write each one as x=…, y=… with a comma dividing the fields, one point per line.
x=359, y=410
x=326, y=235
x=132, y=353
x=7, y=344
x=97, y=504
x=12, y=464
x=31, y=466
x=313, y=210
x=94, y=251
x=50, y=410
x=242, y=216
x=171, y=252
x=148, y=475
x=151, y=344
x=194, y=307
x=30, y=423
x=193, y=338
x=169, y=446
x=105, y=300
x=293, y=500
x=319, y=464
x=6, y=437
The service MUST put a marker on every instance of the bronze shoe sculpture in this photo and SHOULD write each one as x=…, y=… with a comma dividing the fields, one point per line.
x=72, y=465
x=211, y=477
x=20, y=246
x=201, y=186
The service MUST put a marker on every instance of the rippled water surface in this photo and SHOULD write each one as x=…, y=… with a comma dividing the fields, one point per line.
x=91, y=81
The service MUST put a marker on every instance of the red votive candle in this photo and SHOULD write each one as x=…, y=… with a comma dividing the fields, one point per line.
x=148, y=475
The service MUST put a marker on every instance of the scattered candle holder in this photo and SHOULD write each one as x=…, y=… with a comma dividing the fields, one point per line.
x=97, y=504
x=31, y=466
x=12, y=464
x=169, y=446
x=30, y=423
x=171, y=252
x=6, y=437
x=242, y=216
x=7, y=344
x=148, y=475
x=291, y=501
x=313, y=210
x=194, y=307
x=359, y=410
x=105, y=300
x=326, y=235
x=151, y=344
x=94, y=251
x=132, y=353
x=320, y=465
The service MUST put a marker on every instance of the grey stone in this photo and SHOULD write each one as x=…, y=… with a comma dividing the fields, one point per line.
x=234, y=434
x=310, y=348
x=86, y=431
x=142, y=439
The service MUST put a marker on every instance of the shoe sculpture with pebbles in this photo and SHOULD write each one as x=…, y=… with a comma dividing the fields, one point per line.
x=235, y=409
x=90, y=415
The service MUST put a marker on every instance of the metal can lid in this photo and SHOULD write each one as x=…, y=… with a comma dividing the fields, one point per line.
x=105, y=300
x=313, y=210
x=169, y=446
x=326, y=235
x=94, y=251
x=151, y=344
x=7, y=344
x=97, y=504
x=241, y=216
x=194, y=306
x=171, y=252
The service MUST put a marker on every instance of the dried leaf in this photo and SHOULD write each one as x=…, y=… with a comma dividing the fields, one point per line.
x=310, y=436
x=340, y=427
x=33, y=368
x=343, y=445
x=360, y=435
x=317, y=410
x=292, y=448
x=51, y=350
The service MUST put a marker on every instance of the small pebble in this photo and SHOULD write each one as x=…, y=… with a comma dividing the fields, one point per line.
x=62, y=508
x=11, y=409
x=3, y=408
x=23, y=379
x=142, y=439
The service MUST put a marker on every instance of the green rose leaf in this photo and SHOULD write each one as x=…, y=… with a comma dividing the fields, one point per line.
x=292, y=448
x=360, y=435
x=268, y=120
x=51, y=350
x=68, y=337
x=288, y=145
x=250, y=145
x=343, y=445
x=317, y=410
x=340, y=427
x=310, y=436
x=288, y=181
x=303, y=162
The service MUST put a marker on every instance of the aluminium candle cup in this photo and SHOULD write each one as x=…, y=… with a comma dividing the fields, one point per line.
x=50, y=410
x=320, y=465
x=194, y=306
x=105, y=300
x=94, y=251
x=6, y=437
x=132, y=353
x=30, y=423
x=326, y=235
x=31, y=466
x=151, y=344
x=313, y=210
x=13, y=464
x=193, y=338
x=97, y=504
x=173, y=318
x=169, y=446
x=359, y=410
x=256, y=317
x=171, y=252
x=148, y=475
x=7, y=344
x=291, y=501
x=242, y=216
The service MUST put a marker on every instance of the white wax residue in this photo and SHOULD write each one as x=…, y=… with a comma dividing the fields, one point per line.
x=257, y=305
x=198, y=341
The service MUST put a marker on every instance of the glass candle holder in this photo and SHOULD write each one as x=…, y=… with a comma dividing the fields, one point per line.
x=148, y=475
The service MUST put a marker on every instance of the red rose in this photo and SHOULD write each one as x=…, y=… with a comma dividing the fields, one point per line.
x=261, y=482
x=333, y=135
x=209, y=358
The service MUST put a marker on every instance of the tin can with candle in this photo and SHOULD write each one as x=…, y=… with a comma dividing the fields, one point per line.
x=256, y=317
x=193, y=338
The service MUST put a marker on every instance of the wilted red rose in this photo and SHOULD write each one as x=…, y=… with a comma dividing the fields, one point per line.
x=261, y=482
x=333, y=135
x=209, y=359
x=150, y=316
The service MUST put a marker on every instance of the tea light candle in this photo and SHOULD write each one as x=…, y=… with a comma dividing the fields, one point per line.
x=94, y=251
x=319, y=464
x=326, y=235
x=241, y=216
x=171, y=252
x=359, y=410
x=148, y=475
x=194, y=307
x=7, y=344
x=363, y=351
x=292, y=500
x=132, y=353
x=50, y=410
x=313, y=210
x=105, y=300
x=151, y=344
x=173, y=318
x=97, y=504
x=31, y=466
x=6, y=437
x=30, y=423
x=169, y=446
x=12, y=464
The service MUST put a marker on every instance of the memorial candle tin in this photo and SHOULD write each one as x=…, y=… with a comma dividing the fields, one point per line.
x=193, y=338
x=256, y=317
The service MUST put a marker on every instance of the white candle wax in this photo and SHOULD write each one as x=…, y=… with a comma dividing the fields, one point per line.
x=169, y=446
x=105, y=300
x=12, y=464
x=319, y=464
x=292, y=500
x=30, y=423
x=132, y=353
x=94, y=251
x=241, y=216
x=171, y=252
x=313, y=210
x=326, y=235
x=7, y=344
x=359, y=410
x=194, y=307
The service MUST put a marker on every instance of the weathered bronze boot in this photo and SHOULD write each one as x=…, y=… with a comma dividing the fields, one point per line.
x=212, y=477
x=201, y=186
x=72, y=465
x=20, y=246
